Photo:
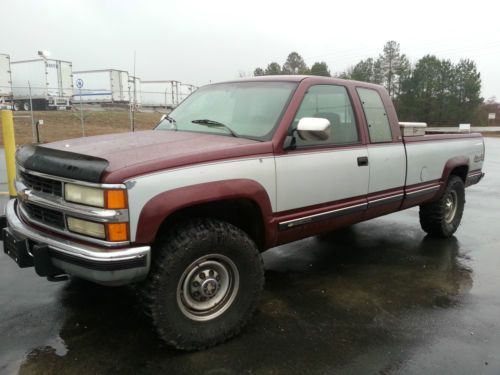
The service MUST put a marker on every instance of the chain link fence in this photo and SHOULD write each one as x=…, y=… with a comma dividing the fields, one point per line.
x=87, y=111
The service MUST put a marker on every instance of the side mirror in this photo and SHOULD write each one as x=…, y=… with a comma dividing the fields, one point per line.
x=313, y=129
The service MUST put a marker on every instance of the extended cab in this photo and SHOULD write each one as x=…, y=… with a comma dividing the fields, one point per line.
x=239, y=167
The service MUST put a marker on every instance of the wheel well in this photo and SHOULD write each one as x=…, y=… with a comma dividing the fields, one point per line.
x=461, y=172
x=242, y=213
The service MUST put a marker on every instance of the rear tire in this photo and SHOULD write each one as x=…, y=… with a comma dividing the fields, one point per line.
x=204, y=285
x=441, y=218
x=16, y=106
x=26, y=106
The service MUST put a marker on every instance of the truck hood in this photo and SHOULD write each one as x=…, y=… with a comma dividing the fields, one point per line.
x=132, y=154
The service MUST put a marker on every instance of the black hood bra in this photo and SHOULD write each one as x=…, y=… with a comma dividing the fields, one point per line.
x=61, y=163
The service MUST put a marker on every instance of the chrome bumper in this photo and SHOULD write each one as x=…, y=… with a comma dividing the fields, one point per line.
x=101, y=265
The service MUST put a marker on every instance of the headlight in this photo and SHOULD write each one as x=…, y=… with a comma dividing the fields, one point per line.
x=84, y=195
x=116, y=232
x=112, y=198
x=87, y=228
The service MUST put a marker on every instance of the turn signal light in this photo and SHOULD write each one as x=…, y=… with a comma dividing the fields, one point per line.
x=117, y=232
x=115, y=199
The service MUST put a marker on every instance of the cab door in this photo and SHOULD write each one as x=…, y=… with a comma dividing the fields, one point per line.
x=386, y=155
x=322, y=184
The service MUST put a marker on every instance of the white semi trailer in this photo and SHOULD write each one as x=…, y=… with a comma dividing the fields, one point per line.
x=5, y=81
x=101, y=86
x=43, y=83
x=135, y=91
x=166, y=94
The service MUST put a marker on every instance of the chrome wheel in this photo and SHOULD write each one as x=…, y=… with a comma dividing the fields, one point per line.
x=208, y=287
x=450, y=206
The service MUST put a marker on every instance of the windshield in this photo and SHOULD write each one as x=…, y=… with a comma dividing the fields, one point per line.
x=248, y=109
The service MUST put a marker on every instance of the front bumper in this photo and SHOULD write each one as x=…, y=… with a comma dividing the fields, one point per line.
x=101, y=265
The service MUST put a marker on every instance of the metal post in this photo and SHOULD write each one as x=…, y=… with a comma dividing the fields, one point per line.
x=172, y=86
x=133, y=111
x=31, y=110
x=81, y=114
x=9, y=144
x=37, y=133
x=130, y=113
x=176, y=93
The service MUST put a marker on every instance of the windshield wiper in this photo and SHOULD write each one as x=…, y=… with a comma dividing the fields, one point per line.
x=215, y=124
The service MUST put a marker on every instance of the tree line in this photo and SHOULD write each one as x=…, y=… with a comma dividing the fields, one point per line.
x=432, y=90
x=294, y=64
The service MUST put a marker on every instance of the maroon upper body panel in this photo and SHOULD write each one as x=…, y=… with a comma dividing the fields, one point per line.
x=133, y=154
x=305, y=82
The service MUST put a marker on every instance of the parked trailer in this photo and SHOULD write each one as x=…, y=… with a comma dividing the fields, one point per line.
x=5, y=81
x=135, y=91
x=186, y=90
x=164, y=94
x=102, y=86
x=46, y=83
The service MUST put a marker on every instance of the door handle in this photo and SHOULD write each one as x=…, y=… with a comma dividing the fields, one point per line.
x=362, y=161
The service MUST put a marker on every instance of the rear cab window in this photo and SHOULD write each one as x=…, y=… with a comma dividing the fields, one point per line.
x=376, y=115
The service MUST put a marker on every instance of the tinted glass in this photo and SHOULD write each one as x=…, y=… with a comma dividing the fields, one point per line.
x=331, y=102
x=376, y=117
x=251, y=109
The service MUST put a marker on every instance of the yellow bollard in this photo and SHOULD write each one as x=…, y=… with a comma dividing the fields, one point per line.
x=9, y=144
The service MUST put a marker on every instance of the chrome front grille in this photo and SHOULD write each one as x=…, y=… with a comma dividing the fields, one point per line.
x=45, y=215
x=41, y=202
x=42, y=184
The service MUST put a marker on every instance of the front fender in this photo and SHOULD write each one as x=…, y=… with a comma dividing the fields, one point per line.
x=158, y=208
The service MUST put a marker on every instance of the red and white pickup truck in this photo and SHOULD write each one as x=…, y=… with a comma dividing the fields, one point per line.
x=239, y=167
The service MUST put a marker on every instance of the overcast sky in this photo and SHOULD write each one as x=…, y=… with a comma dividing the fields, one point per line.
x=202, y=41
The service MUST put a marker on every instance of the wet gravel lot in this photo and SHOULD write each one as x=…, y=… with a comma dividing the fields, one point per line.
x=379, y=297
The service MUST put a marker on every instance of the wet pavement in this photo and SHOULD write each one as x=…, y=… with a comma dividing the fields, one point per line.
x=379, y=297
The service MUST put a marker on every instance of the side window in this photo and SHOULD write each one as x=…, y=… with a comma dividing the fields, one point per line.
x=376, y=117
x=333, y=103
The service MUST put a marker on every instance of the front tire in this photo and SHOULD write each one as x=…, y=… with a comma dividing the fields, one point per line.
x=204, y=285
x=441, y=218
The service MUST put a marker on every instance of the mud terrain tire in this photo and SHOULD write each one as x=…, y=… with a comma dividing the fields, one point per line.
x=205, y=283
x=441, y=218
